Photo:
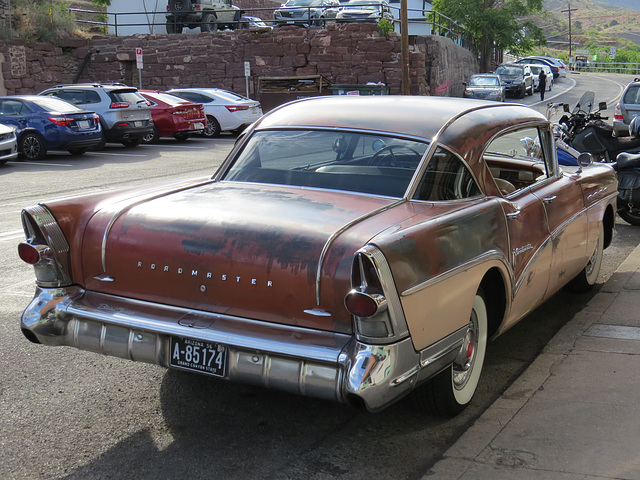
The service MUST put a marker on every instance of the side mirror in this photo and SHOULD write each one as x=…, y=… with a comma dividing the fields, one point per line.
x=565, y=107
x=602, y=106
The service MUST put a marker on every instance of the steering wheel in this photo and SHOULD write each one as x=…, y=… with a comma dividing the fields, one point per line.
x=386, y=157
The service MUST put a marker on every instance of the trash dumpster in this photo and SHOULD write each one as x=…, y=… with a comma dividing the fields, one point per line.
x=274, y=91
x=368, y=89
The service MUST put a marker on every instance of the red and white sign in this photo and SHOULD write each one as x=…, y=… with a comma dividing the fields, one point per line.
x=139, y=58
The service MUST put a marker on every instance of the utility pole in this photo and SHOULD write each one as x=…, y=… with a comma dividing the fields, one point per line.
x=404, y=47
x=569, y=10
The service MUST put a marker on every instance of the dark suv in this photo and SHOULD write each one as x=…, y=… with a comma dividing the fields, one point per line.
x=517, y=79
x=124, y=114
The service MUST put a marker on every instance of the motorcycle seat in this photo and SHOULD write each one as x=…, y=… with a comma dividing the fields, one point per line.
x=627, y=160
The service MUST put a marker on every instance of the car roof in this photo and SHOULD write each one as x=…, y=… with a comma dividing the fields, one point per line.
x=469, y=122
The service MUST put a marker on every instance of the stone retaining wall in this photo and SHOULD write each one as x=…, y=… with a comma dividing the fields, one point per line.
x=342, y=53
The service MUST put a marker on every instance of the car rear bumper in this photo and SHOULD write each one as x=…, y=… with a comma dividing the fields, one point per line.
x=128, y=132
x=315, y=363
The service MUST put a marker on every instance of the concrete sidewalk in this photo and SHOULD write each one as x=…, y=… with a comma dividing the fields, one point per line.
x=574, y=414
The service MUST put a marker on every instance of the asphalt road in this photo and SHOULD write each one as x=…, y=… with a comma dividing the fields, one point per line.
x=68, y=414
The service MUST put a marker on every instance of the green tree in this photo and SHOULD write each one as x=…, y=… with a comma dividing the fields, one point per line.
x=496, y=24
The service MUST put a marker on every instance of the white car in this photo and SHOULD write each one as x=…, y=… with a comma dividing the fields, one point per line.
x=535, y=70
x=226, y=111
x=8, y=144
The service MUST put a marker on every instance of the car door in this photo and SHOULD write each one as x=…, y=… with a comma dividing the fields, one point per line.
x=512, y=160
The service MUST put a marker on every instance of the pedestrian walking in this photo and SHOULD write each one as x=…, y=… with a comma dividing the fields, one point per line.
x=542, y=83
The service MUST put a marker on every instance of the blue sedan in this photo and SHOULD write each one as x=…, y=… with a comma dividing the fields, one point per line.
x=45, y=123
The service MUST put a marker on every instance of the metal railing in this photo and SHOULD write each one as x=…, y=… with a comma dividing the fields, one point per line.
x=609, y=67
x=420, y=22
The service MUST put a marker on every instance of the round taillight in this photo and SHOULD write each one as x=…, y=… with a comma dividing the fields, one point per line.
x=28, y=253
x=360, y=304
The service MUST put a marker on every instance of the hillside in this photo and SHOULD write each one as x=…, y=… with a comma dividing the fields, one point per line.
x=615, y=22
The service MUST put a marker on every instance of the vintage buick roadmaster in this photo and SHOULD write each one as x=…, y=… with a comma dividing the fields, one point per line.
x=350, y=248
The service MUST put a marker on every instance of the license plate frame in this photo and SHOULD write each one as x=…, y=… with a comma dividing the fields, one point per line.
x=198, y=356
x=83, y=124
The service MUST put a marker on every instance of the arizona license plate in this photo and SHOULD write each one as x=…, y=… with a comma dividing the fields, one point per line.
x=198, y=356
x=198, y=126
x=83, y=123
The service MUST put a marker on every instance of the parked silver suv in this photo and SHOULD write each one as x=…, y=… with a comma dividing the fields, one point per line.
x=627, y=108
x=124, y=114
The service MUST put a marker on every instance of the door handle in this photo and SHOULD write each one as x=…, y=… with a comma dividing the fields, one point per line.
x=513, y=215
x=548, y=200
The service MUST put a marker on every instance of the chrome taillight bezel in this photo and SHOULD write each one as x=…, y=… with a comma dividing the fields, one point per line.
x=371, y=278
x=53, y=268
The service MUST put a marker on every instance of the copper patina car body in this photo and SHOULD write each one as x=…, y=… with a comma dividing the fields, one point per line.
x=350, y=248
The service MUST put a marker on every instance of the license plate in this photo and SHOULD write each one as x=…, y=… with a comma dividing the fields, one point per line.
x=198, y=126
x=198, y=356
x=83, y=123
x=138, y=124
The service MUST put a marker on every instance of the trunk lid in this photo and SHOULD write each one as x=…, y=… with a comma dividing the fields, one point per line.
x=246, y=250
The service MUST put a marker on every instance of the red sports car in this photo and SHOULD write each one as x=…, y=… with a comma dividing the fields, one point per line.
x=173, y=116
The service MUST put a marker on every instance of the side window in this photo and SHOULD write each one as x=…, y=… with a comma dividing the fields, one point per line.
x=12, y=107
x=446, y=178
x=72, y=96
x=92, y=97
x=520, y=158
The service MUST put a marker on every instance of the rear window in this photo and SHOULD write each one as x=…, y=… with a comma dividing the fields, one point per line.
x=348, y=161
x=632, y=95
x=131, y=97
x=52, y=104
x=166, y=98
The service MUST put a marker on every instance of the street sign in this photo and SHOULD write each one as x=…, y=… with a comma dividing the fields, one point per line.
x=612, y=52
x=247, y=69
x=139, y=58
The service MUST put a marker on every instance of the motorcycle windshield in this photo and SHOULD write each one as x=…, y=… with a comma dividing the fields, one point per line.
x=585, y=104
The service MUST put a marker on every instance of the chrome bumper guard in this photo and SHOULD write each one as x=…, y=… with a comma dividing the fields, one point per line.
x=315, y=363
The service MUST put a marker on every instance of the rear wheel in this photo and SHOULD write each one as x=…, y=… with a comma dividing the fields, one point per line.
x=132, y=142
x=77, y=151
x=589, y=274
x=174, y=27
x=213, y=127
x=451, y=391
x=32, y=146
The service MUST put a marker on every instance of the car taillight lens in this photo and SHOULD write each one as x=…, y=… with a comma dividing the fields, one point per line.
x=362, y=304
x=237, y=108
x=62, y=121
x=32, y=254
x=618, y=113
x=119, y=105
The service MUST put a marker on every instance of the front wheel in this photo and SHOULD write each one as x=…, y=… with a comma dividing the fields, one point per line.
x=152, y=137
x=523, y=92
x=32, y=146
x=209, y=23
x=589, y=274
x=451, y=391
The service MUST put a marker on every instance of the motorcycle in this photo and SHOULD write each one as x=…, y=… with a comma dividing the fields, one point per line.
x=586, y=131
x=626, y=165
